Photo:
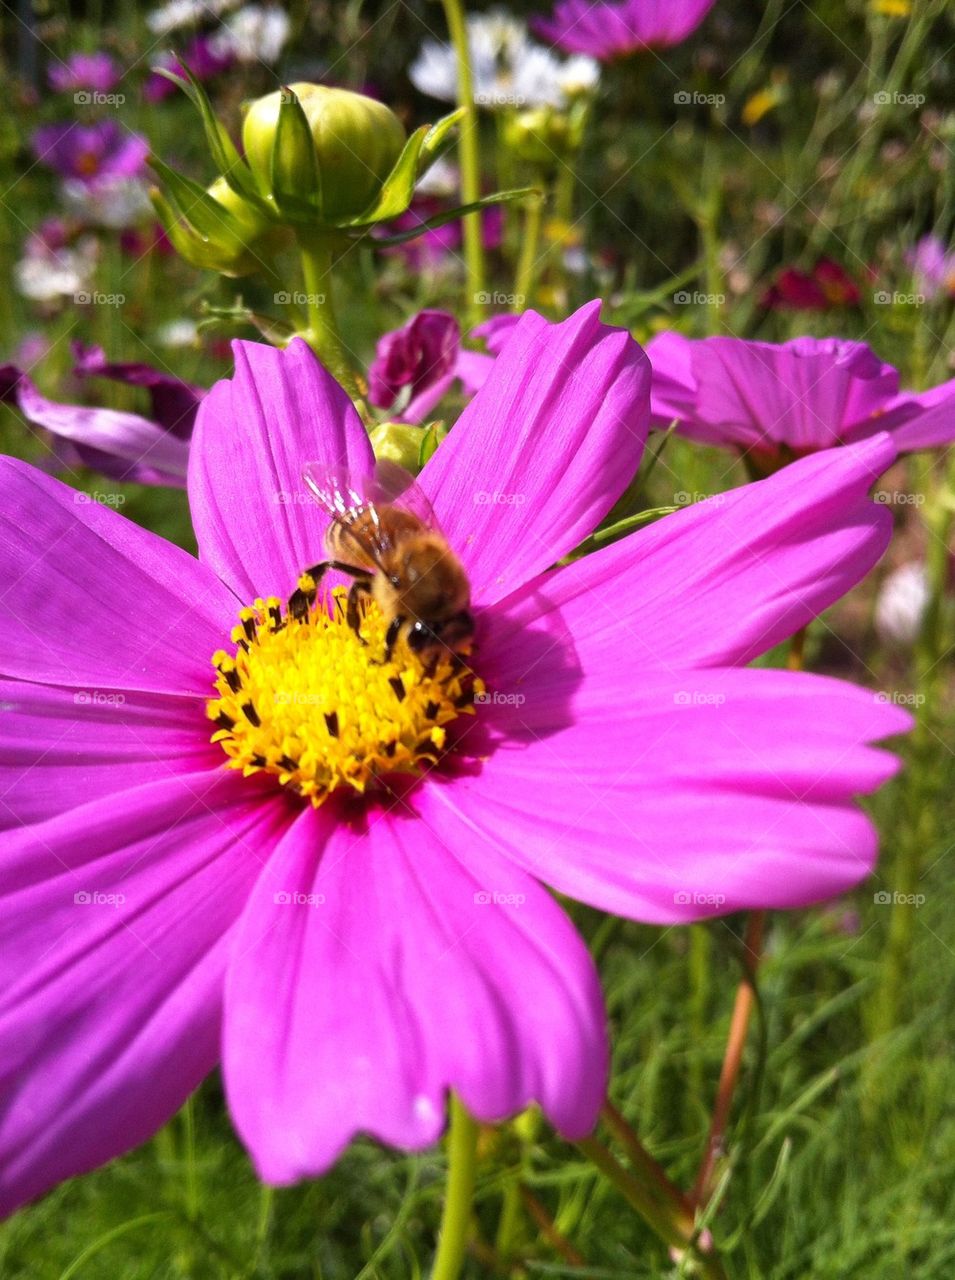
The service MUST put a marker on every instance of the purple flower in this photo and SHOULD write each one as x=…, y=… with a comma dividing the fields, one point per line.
x=170, y=900
x=90, y=154
x=423, y=357
x=433, y=247
x=96, y=71
x=933, y=267
x=205, y=58
x=121, y=445
x=775, y=402
x=607, y=31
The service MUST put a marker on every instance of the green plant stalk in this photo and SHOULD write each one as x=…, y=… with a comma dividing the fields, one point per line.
x=322, y=333
x=676, y=1227
x=527, y=262
x=456, y=1217
x=469, y=152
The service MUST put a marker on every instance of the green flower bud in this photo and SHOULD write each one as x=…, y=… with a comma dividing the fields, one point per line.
x=538, y=135
x=214, y=229
x=337, y=158
x=397, y=442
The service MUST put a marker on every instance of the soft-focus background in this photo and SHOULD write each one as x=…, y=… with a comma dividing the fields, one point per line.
x=774, y=175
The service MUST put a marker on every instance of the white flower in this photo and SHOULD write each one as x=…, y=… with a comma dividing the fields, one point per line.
x=509, y=70
x=256, y=33
x=48, y=274
x=901, y=604
x=178, y=333
x=115, y=203
x=185, y=13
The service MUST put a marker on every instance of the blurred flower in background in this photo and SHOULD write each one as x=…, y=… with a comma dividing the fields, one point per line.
x=509, y=69
x=56, y=264
x=185, y=13
x=901, y=603
x=95, y=71
x=90, y=153
x=933, y=267
x=608, y=31
x=418, y=363
x=826, y=286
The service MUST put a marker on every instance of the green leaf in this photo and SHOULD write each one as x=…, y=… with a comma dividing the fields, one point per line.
x=295, y=176
x=196, y=205
x=431, y=437
x=225, y=156
x=439, y=139
x=398, y=188
x=449, y=215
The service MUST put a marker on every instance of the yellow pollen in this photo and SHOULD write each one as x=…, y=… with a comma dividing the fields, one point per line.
x=322, y=708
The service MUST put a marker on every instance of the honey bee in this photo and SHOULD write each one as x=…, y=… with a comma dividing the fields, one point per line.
x=383, y=533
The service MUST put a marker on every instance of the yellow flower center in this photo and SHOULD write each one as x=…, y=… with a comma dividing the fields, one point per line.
x=323, y=707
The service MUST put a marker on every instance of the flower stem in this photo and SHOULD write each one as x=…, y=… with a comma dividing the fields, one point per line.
x=733, y=1055
x=468, y=146
x=322, y=333
x=527, y=262
x=456, y=1218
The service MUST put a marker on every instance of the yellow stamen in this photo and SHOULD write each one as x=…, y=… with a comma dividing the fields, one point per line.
x=306, y=699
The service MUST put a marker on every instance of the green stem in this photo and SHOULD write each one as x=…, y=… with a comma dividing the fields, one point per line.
x=456, y=1218
x=322, y=333
x=675, y=1227
x=469, y=150
x=527, y=262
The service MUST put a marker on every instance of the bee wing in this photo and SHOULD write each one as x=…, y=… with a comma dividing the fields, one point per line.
x=392, y=485
x=344, y=498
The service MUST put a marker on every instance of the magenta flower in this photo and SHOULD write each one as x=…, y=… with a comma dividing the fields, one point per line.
x=434, y=247
x=826, y=286
x=205, y=57
x=423, y=357
x=96, y=71
x=607, y=31
x=352, y=961
x=118, y=444
x=775, y=402
x=91, y=154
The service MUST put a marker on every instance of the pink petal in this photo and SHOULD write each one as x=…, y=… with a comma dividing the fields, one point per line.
x=675, y=796
x=543, y=450
x=255, y=523
x=110, y=1010
x=63, y=747
x=718, y=583
x=92, y=601
x=358, y=1012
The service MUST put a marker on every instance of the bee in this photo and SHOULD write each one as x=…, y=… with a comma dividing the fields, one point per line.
x=383, y=534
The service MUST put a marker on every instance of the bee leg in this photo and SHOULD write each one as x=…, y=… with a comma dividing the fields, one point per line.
x=360, y=588
x=303, y=597
x=391, y=636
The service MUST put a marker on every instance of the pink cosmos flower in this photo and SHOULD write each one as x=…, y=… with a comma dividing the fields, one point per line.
x=425, y=357
x=774, y=402
x=352, y=962
x=90, y=154
x=607, y=31
x=933, y=267
x=115, y=442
